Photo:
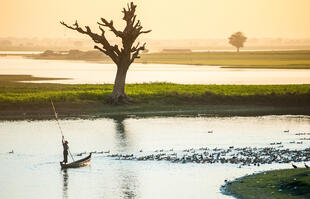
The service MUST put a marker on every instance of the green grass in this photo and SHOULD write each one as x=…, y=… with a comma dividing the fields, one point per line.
x=12, y=92
x=267, y=59
x=32, y=101
x=278, y=184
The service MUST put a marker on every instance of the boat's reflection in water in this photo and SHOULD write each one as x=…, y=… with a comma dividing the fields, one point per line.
x=127, y=184
x=65, y=183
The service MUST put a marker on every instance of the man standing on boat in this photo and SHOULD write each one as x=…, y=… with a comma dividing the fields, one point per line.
x=66, y=148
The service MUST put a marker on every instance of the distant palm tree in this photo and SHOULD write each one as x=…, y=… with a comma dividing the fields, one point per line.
x=237, y=39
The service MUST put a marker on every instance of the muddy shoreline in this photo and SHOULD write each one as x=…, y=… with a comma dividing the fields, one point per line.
x=98, y=110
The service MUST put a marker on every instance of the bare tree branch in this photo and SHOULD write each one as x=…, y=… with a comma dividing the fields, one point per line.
x=102, y=31
x=116, y=50
x=136, y=51
x=112, y=28
x=144, y=32
x=106, y=47
x=101, y=49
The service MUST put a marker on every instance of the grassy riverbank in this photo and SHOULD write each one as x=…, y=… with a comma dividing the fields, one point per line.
x=12, y=92
x=279, y=184
x=299, y=59
x=258, y=59
x=154, y=98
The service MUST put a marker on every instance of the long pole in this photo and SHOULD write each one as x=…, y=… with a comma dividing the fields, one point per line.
x=56, y=116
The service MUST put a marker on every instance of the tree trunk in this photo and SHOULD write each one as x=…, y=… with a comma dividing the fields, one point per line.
x=118, y=95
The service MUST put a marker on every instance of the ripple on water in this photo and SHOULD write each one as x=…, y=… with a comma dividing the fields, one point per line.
x=34, y=168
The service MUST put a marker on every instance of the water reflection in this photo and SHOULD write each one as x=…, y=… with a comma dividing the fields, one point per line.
x=98, y=73
x=121, y=136
x=65, y=183
x=127, y=179
x=123, y=179
x=128, y=184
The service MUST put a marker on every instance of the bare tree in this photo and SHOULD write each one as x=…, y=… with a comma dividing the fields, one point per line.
x=237, y=39
x=123, y=57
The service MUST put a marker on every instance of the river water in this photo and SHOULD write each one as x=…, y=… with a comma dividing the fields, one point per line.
x=97, y=73
x=33, y=170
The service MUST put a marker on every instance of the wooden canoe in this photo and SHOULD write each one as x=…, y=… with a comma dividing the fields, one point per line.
x=79, y=163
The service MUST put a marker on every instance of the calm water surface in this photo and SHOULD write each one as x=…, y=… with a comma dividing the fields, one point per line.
x=33, y=170
x=95, y=73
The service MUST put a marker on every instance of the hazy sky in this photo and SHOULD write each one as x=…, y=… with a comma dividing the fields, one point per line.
x=169, y=19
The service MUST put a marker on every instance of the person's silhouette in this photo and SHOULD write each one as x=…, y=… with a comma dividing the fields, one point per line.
x=65, y=148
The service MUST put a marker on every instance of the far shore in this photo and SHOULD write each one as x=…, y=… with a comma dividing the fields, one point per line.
x=291, y=59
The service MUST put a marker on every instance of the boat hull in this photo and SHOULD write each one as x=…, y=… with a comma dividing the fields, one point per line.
x=76, y=164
